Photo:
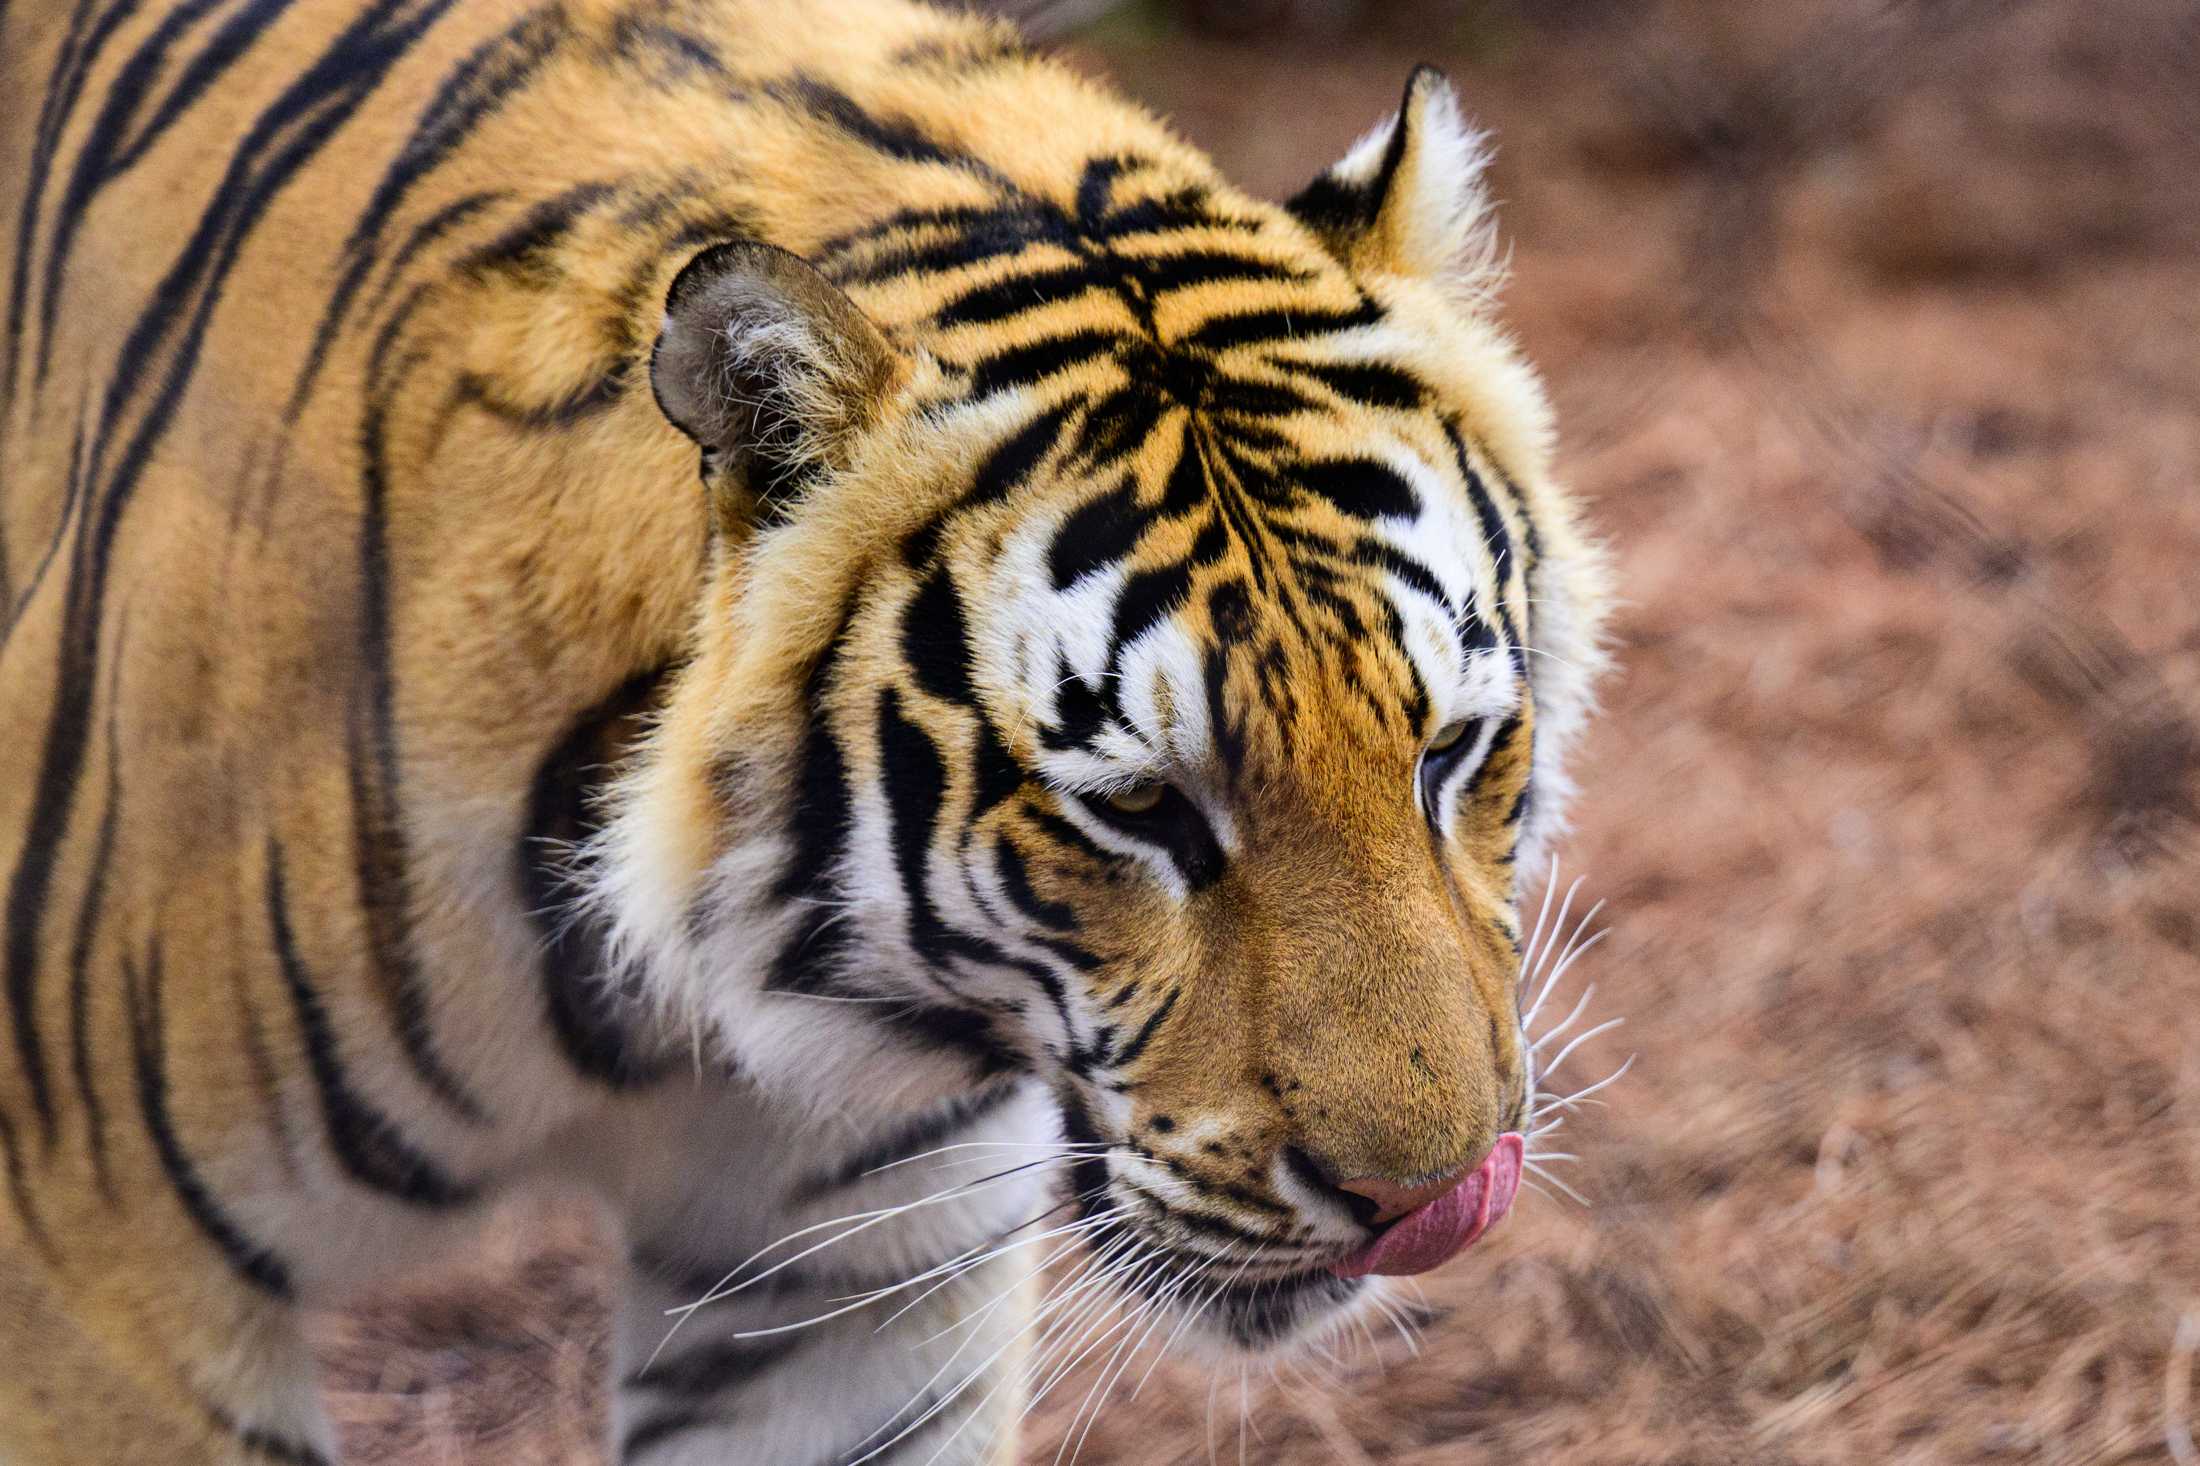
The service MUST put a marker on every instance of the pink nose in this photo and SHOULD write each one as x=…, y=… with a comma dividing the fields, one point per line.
x=1394, y=1201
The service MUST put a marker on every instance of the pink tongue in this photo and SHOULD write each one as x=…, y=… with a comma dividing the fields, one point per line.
x=1442, y=1229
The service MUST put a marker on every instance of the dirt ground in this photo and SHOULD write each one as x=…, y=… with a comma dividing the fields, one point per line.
x=1876, y=334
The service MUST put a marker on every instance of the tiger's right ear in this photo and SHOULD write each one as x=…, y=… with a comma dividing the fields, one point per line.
x=771, y=370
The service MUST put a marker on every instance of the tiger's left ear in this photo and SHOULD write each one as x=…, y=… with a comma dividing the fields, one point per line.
x=771, y=369
x=1408, y=199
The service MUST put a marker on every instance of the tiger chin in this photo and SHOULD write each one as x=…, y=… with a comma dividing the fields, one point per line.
x=790, y=616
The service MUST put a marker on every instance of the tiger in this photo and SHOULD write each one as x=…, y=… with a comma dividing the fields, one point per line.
x=794, y=618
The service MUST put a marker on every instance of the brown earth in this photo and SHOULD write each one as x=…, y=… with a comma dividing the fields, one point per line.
x=1876, y=334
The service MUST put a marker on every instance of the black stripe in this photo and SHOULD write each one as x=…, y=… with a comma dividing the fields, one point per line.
x=956, y=1030
x=370, y=1146
x=1199, y=1221
x=1331, y=206
x=712, y=1368
x=1496, y=538
x=1063, y=833
x=149, y=1044
x=1118, y=424
x=1181, y=210
x=963, y=219
x=1015, y=459
x=1229, y=732
x=1255, y=399
x=1381, y=555
x=591, y=1016
x=909, y=1138
x=431, y=229
x=995, y=774
x=19, y=1190
x=1016, y=881
x=1195, y=267
x=1034, y=362
x=998, y=300
x=896, y=137
x=79, y=53
x=670, y=1425
x=1097, y=534
x=1138, y=1041
x=107, y=152
x=1362, y=488
x=264, y=1443
x=523, y=247
x=998, y=232
x=821, y=818
x=1080, y=713
x=481, y=83
x=1278, y=324
x=1500, y=742
x=914, y=778
x=598, y=394
x=379, y=853
x=935, y=640
x=160, y=353
x=1149, y=597
x=1369, y=383
x=682, y=53
x=80, y=953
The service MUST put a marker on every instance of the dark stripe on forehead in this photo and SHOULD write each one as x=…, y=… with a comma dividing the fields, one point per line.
x=1382, y=555
x=1025, y=366
x=1007, y=466
x=997, y=300
x=1097, y=533
x=1362, y=488
x=1149, y=597
x=1278, y=324
x=1369, y=383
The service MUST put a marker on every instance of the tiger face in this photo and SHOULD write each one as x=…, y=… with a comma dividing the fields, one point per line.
x=1142, y=644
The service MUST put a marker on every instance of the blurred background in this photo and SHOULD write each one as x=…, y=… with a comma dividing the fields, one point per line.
x=1874, y=327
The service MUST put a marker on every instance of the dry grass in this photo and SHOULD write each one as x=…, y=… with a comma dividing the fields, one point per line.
x=1880, y=350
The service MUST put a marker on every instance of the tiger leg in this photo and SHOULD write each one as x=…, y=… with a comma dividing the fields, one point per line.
x=791, y=1367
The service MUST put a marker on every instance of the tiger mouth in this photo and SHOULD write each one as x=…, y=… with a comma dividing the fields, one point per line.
x=1252, y=1311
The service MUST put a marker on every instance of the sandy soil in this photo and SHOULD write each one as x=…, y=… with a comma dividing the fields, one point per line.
x=1876, y=331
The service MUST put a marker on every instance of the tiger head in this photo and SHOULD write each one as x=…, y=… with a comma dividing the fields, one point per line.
x=1142, y=642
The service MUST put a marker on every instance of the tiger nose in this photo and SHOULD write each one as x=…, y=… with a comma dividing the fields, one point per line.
x=1393, y=1201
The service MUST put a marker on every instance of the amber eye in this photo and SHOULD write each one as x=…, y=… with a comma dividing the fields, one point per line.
x=1137, y=799
x=1448, y=736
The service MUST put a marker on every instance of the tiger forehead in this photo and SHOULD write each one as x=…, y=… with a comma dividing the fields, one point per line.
x=1130, y=254
x=1229, y=596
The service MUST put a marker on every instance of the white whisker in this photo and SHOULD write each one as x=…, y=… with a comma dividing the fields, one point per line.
x=1605, y=1027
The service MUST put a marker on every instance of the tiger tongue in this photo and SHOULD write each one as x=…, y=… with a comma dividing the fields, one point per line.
x=1442, y=1229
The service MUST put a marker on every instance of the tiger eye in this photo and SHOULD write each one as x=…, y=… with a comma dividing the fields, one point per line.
x=1138, y=799
x=1448, y=736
